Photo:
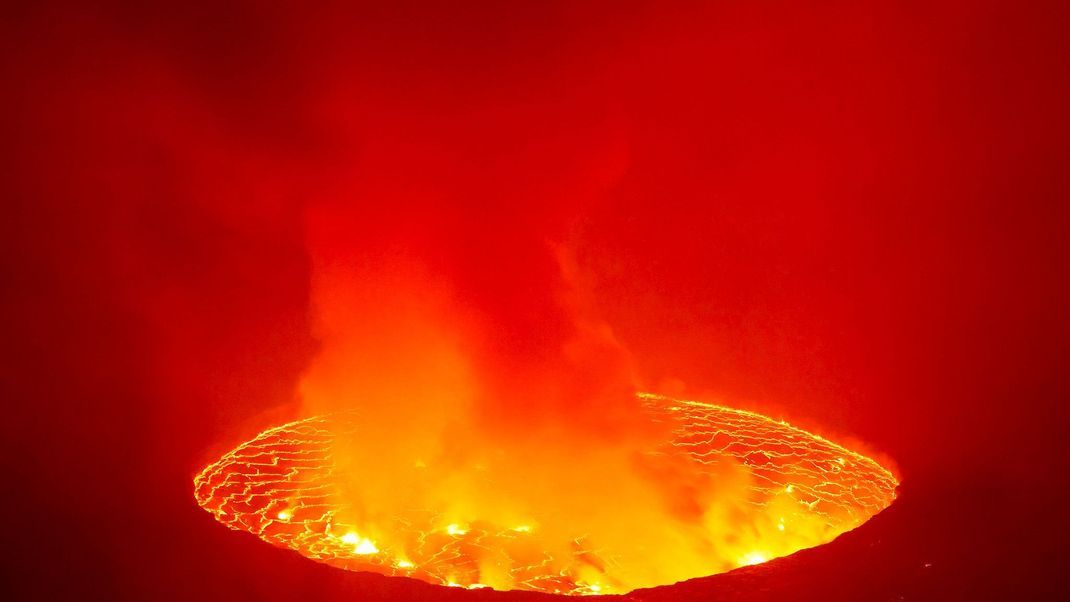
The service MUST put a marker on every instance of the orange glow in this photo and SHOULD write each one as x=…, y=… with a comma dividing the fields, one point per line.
x=779, y=490
x=753, y=558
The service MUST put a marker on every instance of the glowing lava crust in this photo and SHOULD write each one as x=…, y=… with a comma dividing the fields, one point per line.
x=800, y=491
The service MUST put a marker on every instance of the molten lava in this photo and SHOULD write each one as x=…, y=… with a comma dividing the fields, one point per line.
x=790, y=490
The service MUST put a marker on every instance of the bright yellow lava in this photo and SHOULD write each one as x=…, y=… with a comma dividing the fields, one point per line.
x=800, y=491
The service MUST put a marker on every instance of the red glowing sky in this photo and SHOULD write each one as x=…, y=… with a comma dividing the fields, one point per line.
x=852, y=216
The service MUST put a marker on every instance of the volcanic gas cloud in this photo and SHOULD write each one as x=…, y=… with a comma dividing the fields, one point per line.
x=470, y=421
x=469, y=418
